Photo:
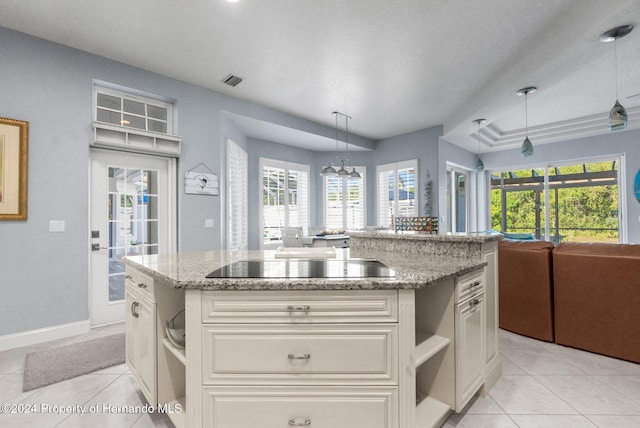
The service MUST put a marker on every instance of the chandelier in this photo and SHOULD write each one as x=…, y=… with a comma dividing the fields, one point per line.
x=330, y=170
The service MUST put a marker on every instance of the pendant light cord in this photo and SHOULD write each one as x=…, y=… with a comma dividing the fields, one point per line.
x=526, y=115
x=615, y=51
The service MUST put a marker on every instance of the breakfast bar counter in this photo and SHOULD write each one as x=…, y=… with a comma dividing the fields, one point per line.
x=404, y=349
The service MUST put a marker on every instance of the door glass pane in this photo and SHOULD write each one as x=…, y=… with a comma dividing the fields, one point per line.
x=583, y=202
x=517, y=201
x=461, y=201
x=133, y=220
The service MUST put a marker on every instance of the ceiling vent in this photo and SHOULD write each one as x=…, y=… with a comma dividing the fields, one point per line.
x=232, y=80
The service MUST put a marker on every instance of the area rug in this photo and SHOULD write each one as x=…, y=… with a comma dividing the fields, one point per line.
x=57, y=364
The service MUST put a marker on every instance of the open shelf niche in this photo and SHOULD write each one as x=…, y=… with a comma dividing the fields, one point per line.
x=434, y=355
x=171, y=359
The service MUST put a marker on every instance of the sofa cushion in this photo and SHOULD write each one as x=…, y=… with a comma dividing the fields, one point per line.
x=526, y=288
x=597, y=296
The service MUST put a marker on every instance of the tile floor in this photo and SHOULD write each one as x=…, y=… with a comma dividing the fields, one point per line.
x=542, y=385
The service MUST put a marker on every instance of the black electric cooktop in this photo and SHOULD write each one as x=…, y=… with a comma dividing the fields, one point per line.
x=304, y=268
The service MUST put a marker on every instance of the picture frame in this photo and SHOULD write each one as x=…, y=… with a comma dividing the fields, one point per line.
x=14, y=146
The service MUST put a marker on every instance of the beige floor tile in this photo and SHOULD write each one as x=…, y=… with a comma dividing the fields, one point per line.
x=552, y=421
x=611, y=421
x=590, y=396
x=520, y=394
x=480, y=421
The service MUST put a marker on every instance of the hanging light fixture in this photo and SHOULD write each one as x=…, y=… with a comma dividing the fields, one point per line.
x=479, y=163
x=618, y=114
x=353, y=173
x=527, y=147
x=329, y=170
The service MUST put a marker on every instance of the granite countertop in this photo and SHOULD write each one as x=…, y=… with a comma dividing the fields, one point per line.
x=479, y=237
x=189, y=270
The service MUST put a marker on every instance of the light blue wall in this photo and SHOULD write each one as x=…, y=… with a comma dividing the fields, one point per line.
x=44, y=276
x=610, y=144
x=421, y=145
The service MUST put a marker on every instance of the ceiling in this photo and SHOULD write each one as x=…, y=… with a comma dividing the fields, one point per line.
x=395, y=66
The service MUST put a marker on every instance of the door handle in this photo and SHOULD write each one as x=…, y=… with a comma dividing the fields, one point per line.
x=134, y=305
x=97, y=247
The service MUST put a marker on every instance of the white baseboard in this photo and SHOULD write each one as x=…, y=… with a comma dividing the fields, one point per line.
x=33, y=337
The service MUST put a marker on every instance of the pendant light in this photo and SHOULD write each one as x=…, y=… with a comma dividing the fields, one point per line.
x=618, y=114
x=527, y=147
x=353, y=173
x=329, y=170
x=479, y=163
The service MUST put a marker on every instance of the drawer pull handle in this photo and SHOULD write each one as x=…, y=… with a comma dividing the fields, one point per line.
x=128, y=277
x=305, y=423
x=134, y=305
x=475, y=284
x=474, y=302
x=304, y=308
x=299, y=357
x=142, y=285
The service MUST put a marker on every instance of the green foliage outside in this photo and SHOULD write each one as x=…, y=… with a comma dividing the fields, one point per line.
x=584, y=214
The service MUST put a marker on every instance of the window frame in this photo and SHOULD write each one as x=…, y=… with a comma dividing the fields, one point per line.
x=286, y=166
x=344, y=184
x=234, y=151
x=619, y=158
x=131, y=96
x=451, y=202
x=395, y=166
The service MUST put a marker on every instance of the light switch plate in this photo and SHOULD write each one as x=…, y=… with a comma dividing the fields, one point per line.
x=209, y=223
x=56, y=226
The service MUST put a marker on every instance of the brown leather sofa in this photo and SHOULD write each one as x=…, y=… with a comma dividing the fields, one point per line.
x=526, y=288
x=597, y=298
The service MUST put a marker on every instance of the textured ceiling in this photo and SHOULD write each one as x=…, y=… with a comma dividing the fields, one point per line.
x=395, y=66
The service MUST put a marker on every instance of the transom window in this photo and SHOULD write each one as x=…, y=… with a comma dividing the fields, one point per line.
x=132, y=111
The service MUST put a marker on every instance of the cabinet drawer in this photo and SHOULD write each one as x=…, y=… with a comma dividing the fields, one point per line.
x=141, y=282
x=306, y=354
x=299, y=307
x=468, y=284
x=231, y=407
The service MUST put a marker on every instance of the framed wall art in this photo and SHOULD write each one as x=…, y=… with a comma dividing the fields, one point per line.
x=14, y=145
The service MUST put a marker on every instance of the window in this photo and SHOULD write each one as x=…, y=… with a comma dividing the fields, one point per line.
x=457, y=199
x=237, y=211
x=132, y=111
x=344, y=202
x=397, y=195
x=285, y=197
x=577, y=202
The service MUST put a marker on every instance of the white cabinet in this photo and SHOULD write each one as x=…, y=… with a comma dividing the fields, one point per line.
x=293, y=358
x=470, y=336
x=158, y=367
x=140, y=332
x=492, y=366
x=469, y=348
x=315, y=407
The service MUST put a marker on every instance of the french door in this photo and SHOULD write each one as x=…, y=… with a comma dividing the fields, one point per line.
x=132, y=212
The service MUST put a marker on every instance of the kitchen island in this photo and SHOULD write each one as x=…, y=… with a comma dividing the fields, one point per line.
x=398, y=351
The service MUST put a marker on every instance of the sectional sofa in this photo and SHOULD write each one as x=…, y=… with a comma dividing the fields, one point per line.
x=583, y=295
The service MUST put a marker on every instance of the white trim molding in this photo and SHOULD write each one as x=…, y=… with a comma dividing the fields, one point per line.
x=33, y=337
